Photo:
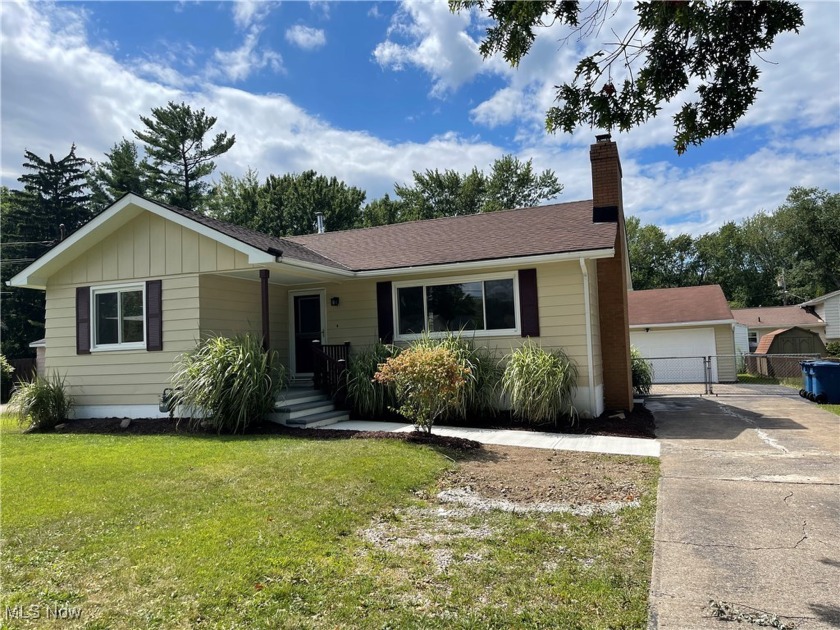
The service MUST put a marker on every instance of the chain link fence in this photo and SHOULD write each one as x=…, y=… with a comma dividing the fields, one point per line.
x=728, y=374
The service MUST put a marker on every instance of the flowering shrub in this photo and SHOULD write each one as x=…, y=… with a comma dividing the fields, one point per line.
x=427, y=382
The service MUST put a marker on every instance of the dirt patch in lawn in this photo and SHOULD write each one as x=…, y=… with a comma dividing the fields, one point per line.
x=526, y=475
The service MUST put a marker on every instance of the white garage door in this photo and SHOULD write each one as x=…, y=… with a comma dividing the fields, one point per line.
x=676, y=354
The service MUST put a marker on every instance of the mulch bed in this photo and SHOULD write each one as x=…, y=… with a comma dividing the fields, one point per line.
x=167, y=426
x=639, y=423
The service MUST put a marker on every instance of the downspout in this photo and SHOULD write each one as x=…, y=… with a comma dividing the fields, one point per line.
x=266, y=326
x=587, y=309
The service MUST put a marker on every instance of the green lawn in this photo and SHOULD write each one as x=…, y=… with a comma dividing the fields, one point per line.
x=757, y=379
x=267, y=532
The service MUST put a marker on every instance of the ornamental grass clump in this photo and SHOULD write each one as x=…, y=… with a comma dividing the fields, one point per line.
x=642, y=372
x=41, y=404
x=228, y=382
x=539, y=384
x=427, y=382
x=368, y=397
x=480, y=393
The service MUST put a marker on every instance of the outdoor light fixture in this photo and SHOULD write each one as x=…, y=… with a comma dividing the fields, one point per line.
x=334, y=301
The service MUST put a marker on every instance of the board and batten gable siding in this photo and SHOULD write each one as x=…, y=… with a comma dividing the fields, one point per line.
x=149, y=246
x=121, y=377
x=727, y=367
x=561, y=312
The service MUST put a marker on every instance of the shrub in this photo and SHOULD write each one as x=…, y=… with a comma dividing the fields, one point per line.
x=231, y=381
x=42, y=403
x=832, y=348
x=642, y=372
x=6, y=371
x=370, y=398
x=480, y=394
x=427, y=382
x=540, y=384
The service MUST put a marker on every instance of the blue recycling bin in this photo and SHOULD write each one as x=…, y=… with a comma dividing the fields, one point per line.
x=826, y=382
x=807, y=378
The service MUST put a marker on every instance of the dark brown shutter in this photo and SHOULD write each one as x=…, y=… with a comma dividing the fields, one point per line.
x=529, y=307
x=385, y=311
x=82, y=320
x=154, y=318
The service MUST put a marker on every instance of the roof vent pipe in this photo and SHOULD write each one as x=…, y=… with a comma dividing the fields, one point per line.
x=319, y=222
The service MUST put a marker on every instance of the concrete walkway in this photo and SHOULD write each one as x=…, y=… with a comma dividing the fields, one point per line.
x=748, y=511
x=528, y=439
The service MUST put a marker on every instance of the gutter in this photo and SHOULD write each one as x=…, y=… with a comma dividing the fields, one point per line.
x=488, y=263
x=587, y=309
x=710, y=322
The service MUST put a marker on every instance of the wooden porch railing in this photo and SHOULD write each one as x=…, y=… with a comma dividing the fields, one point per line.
x=330, y=372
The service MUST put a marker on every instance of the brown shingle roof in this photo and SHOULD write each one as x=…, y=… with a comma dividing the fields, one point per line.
x=681, y=304
x=767, y=340
x=556, y=228
x=775, y=316
x=255, y=239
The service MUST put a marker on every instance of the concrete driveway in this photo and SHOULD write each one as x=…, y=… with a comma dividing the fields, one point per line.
x=748, y=512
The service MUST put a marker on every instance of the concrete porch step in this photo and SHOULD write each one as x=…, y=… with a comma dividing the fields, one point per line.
x=320, y=419
x=297, y=396
x=311, y=421
x=303, y=409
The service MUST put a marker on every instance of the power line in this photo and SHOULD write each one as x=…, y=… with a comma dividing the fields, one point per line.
x=7, y=244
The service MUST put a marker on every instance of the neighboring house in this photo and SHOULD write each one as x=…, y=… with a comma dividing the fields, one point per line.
x=40, y=356
x=763, y=320
x=682, y=323
x=139, y=284
x=827, y=308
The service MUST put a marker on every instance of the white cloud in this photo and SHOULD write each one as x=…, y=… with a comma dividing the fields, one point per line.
x=58, y=88
x=321, y=7
x=240, y=63
x=306, y=37
x=247, y=13
x=428, y=36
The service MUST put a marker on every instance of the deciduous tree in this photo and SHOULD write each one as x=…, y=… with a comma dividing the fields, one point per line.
x=673, y=49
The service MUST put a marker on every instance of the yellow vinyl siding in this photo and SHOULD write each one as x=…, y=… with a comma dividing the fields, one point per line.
x=595, y=319
x=560, y=292
x=725, y=347
x=122, y=377
x=229, y=306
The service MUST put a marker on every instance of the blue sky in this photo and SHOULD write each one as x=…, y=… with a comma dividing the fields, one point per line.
x=369, y=92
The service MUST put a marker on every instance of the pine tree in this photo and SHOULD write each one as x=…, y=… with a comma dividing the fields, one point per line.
x=122, y=172
x=174, y=141
x=53, y=202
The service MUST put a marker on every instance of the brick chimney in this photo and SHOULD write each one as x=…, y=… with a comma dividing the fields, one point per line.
x=613, y=275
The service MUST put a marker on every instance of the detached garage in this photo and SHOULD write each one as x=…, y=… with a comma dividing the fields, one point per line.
x=679, y=327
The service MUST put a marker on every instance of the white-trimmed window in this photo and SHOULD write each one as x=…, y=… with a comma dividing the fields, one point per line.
x=752, y=338
x=118, y=317
x=480, y=305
